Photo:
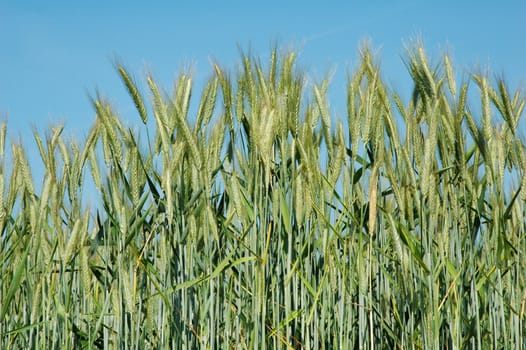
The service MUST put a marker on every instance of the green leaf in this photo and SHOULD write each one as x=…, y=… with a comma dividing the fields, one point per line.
x=15, y=282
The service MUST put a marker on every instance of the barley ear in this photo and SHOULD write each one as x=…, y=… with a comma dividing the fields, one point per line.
x=133, y=91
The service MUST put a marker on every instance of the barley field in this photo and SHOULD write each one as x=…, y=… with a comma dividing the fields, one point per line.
x=259, y=219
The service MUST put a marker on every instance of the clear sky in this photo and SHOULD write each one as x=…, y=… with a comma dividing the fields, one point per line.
x=54, y=53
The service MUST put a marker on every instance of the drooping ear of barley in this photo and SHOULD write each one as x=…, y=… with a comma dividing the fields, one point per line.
x=258, y=219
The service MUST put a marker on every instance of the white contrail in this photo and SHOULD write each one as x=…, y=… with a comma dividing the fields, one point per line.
x=325, y=34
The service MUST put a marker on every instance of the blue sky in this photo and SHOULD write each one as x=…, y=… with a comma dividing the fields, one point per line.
x=54, y=53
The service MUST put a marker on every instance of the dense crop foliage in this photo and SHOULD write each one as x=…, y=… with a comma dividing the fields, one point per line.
x=260, y=220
